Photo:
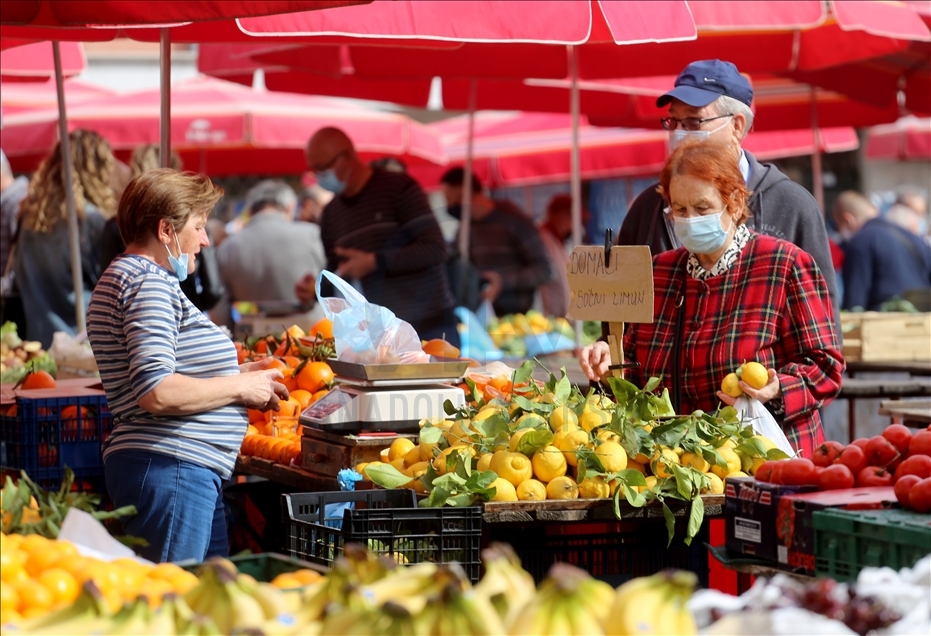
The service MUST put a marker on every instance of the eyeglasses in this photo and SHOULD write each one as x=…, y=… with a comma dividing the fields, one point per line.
x=330, y=163
x=688, y=123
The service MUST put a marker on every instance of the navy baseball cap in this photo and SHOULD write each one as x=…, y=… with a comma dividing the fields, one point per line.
x=700, y=83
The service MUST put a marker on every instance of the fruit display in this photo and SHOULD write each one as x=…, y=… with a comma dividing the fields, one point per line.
x=896, y=458
x=19, y=357
x=519, y=439
x=364, y=594
x=753, y=373
x=509, y=332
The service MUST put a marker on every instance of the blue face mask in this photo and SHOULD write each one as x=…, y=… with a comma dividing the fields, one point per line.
x=701, y=234
x=180, y=264
x=328, y=180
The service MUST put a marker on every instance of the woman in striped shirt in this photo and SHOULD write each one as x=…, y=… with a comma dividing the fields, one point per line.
x=177, y=394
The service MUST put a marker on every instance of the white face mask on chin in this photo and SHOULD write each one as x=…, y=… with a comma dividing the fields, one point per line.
x=677, y=136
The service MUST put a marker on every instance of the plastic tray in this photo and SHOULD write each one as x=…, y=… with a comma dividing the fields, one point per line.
x=387, y=522
x=846, y=541
x=436, y=369
x=47, y=434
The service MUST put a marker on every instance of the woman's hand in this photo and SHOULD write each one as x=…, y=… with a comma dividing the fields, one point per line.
x=262, y=390
x=594, y=360
x=770, y=391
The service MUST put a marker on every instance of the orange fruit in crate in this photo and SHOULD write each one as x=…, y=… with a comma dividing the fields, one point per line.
x=48, y=455
x=62, y=584
x=260, y=448
x=291, y=361
x=319, y=394
x=322, y=328
x=284, y=453
x=69, y=422
x=287, y=409
x=251, y=430
x=315, y=376
x=38, y=380
x=274, y=449
x=256, y=415
x=303, y=397
x=248, y=444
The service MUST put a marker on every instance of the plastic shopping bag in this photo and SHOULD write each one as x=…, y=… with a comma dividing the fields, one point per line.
x=73, y=356
x=474, y=341
x=366, y=333
x=763, y=423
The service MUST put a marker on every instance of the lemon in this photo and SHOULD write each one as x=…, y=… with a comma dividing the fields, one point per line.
x=572, y=442
x=400, y=448
x=561, y=416
x=548, y=464
x=487, y=411
x=504, y=490
x=484, y=462
x=737, y=473
x=729, y=385
x=360, y=467
x=755, y=465
x=658, y=467
x=416, y=470
x=605, y=435
x=695, y=461
x=754, y=374
x=613, y=457
x=426, y=451
x=651, y=484
x=412, y=456
x=531, y=490
x=367, y=466
x=533, y=420
x=439, y=464
x=515, y=439
x=594, y=488
x=733, y=462
x=599, y=400
x=460, y=432
x=397, y=463
x=768, y=443
x=562, y=488
x=730, y=443
x=715, y=486
x=592, y=417
x=515, y=467
x=385, y=455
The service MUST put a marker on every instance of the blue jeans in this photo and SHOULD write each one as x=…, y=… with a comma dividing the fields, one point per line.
x=180, y=505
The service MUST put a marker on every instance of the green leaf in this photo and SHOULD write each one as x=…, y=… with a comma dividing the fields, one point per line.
x=713, y=457
x=729, y=414
x=630, y=441
x=461, y=500
x=667, y=401
x=481, y=480
x=463, y=466
x=634, y=498
x=535, y=440
x=670, y=523
x=448, y=407
x=449, y=482
x=684, y=484
x=437, y=498
x=651, y=385
x=524, y=372
x=524, y=403
x=493, y=426
x=430, y=434
x=428, y=477
x=387, y=476
x=563, y=388
x=777, y=454
x=474, y=391
x=622, y=389
x=696, y=515
x=581, y=470
x=631, y=477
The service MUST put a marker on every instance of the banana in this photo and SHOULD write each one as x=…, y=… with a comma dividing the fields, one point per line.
x=271, y=599
x=179, y=612
x=89, y=605
x=245, y=611
x=134, y=618
x=409, y=582
x=508, y=586
x=653, y=605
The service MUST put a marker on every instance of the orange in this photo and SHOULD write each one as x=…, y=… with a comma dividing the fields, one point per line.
x=62, y=584
x=294, y=331
x=291, y=361
x=322, y=328
x=154, y=590
x=286, y=453
x=33, y=596
x=303, y=397
x=33, y=543
x=275, y=448
x=319, y=394
x=256, y=415
x=287, y=409
x=502, y=383
x=164, y=571
x=248, y=444
x=251, y=430
x=76, y=565
x=9, y=598
x=440, y=348
x=277, y=363
x=38, y=380
x=40, y=560
x=315, y=376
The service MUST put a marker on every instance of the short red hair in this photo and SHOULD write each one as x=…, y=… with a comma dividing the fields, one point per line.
x=713, y=162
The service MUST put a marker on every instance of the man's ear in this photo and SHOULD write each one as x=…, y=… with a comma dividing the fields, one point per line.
x=740, y=127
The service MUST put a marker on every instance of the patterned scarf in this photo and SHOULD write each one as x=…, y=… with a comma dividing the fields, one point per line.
x=727, y=260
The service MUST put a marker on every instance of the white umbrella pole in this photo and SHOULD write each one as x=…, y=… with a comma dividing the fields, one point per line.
x=465, y=223
x=575, y=184
x=816, y=177
x=164, y=60
x=67, y=175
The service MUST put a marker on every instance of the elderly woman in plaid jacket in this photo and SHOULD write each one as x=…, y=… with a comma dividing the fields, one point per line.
x=743, y=296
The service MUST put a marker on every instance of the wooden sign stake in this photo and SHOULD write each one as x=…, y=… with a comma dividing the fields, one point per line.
x=616, y=347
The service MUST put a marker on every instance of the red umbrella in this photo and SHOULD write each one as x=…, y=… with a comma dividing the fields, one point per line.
x=519, y=149
x=909, y=139
x=221, y=128
x=32, y=61
x=17, y=97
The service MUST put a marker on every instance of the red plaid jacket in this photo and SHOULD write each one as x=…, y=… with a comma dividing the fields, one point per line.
x=771, y=306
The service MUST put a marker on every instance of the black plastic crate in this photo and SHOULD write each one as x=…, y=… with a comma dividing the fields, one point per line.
x=47, y=434
x=262, y=567
x=612, y=552
x=387, y=522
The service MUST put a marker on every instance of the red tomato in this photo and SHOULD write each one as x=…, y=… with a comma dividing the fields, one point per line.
x=765, y=471
x=873, y=476
x=827, y=453
x=836, y=477
x=903, y=488
x=861, y=442
x=920, y=444
x=920, y=496
x=799, y=472
x=775, y=475
x=881, y=452
x=899, y=436
x=853, y=458
x=918, y=465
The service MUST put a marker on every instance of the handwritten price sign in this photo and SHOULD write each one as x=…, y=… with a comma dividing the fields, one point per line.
x=619, y=291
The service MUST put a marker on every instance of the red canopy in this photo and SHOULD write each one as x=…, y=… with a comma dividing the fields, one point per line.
x=518, y=149
x=909, y=139
x=18, y=97
x=221, y=128
x=33, y=62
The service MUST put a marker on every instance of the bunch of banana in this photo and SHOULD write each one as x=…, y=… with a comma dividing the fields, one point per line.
x=654, y=605
x=506, y=584
x=89, y=611
x=568, y=602
x=236, y=602
x=456, y=609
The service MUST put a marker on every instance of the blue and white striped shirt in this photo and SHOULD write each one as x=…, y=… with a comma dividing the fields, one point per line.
x=143, y=329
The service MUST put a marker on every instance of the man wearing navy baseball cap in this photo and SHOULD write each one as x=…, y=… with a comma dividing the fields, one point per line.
x=711, y=100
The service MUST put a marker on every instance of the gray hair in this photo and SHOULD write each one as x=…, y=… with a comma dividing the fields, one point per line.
x=729, y=106
x=271, y=193
x=903, y=216
x=5, y=170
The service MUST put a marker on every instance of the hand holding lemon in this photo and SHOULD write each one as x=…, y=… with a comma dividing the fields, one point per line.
x=753, y=380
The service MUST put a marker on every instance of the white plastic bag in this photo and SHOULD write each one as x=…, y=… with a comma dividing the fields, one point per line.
x=73, y=356
x=366, y=333
x=764, y=423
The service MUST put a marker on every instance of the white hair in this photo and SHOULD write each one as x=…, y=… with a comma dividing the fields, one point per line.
x=269, y=192
x=903, y=216
x=725, y=105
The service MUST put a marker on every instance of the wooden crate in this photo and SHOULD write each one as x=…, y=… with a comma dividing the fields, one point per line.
x=328, y=453
x=893, y=336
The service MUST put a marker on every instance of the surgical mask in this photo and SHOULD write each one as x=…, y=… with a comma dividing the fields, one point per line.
x=328, y=180
x=454, y=210
x=179, y=264
x=678, y=136
x=701, y=234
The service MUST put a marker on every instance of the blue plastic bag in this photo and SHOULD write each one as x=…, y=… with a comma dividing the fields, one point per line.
x=333, y=513
x=367, y=333
x=474, y=341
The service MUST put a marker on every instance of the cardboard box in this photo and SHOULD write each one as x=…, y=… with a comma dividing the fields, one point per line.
x=795, y=528
x=886, y=336
x=750, y=515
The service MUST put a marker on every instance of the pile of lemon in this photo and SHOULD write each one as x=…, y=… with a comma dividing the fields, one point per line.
x=39, y=575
